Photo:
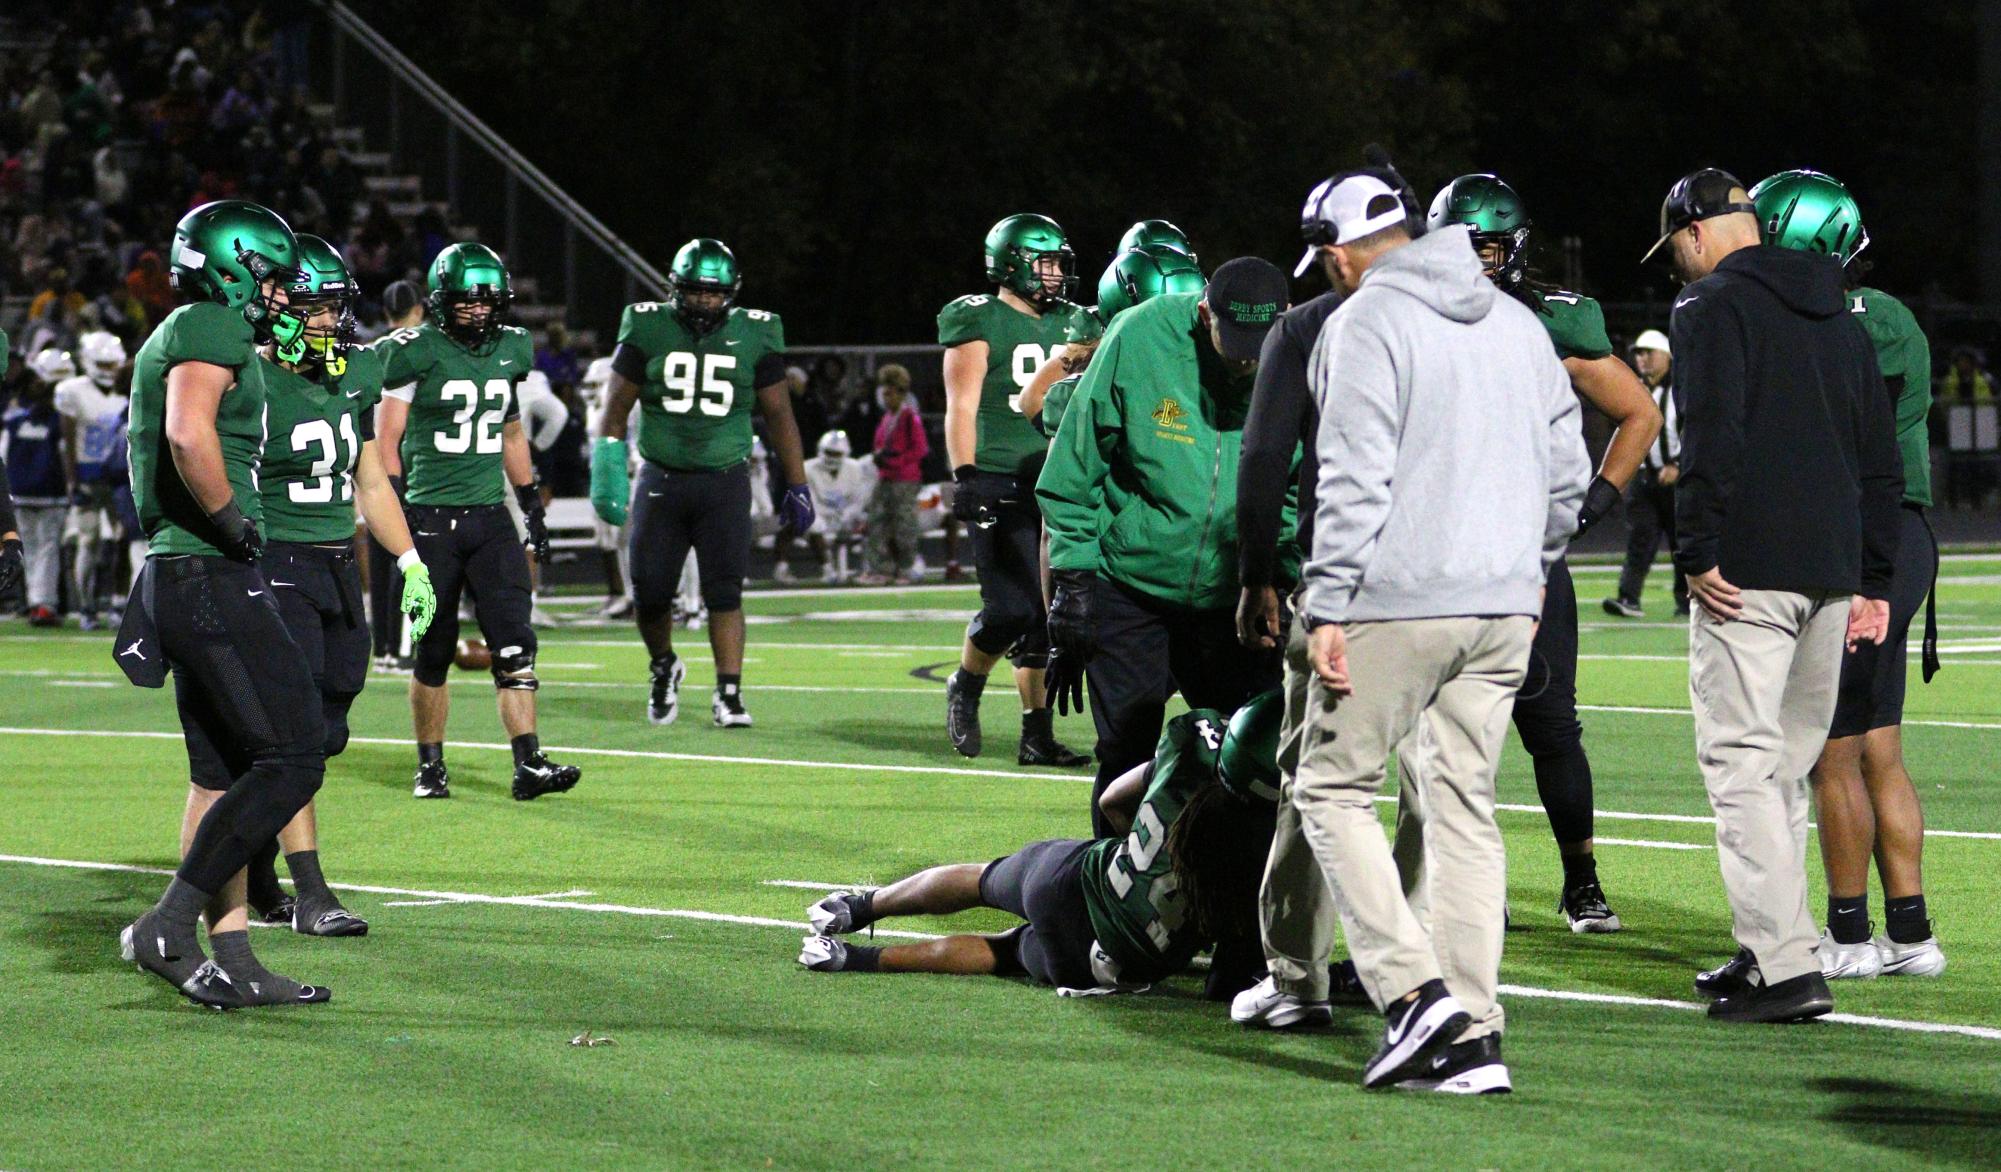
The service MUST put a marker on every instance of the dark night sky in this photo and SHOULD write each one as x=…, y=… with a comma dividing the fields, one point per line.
x=855, y=154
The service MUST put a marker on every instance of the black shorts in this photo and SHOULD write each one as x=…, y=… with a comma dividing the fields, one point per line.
x=1043, y=884
x=674, y=512
x=319, y=594
x=237, y=683
x=472, y=549
x=1872, y=675
x=1008, y=556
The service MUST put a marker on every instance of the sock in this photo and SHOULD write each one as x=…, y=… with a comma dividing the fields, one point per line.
x=306, y=877
x=1580, y=869
x=429, y=751
x=525, y=746
x=969, y=683
x=1848, y=918
x=729, y=683
x=662, y=665
x=263, y=878
x=1037, y=724
x=863, y=959
x=1908, y=923
x=181, y=906
x=257, y=984
x=861, y=909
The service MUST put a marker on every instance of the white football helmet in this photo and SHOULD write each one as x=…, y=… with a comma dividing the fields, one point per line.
x=102, y=355
x=52, y=365
x=834, y=448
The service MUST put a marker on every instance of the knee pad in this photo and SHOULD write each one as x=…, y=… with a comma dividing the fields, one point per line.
x=1031, y=650
x=514, y=666
x=1548, y=733
x=433, y=664
x=722, y=597
x=335, y=709
x=994, y=631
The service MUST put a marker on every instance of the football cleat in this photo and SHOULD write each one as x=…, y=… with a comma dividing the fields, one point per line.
x=538, y=775
x=728, y=710
x=836, y=915
x=616, y=608
x=665, y=702
x=1839, y=962
x=172, y=956
x=1585, y=907
x=1413, y=1031
x=1797, y=999
x=1344, y=984
x=1472, y=1067
x=1735, y=975
x=432, y=781
x=1624, y=608
x=321, y=920
x=1923, y=959
x=1265, y=1005
x=823, y=954
x=278, y=915
x=210, y=986
x=1042, y=749
x=962, y=711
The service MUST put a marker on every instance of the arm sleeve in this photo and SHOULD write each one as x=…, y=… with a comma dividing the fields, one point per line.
x=770, y=369
x=1708, y=345
x=629, y=362
x=1882, y=468
x=1071, y=488
x=1569, y=463
x=1271, y=436
x=545, y=414
x=8, y=524
x=1354, y=379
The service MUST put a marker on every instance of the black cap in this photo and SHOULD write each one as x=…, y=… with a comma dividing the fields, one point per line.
x=1699, y=195
x=400, y=298
x=1246, y=295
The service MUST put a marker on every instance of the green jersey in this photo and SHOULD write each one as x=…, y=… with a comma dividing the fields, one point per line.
x=1054, y=402
x=317, y=429
x=459, y=402
x=1129, y=886
x=3, y=353
x=1575, y=323
x=1017, y=345
x=175, y=523
x=1903, y=354
x=696, y=390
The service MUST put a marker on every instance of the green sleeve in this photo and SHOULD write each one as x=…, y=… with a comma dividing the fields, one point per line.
x=959, y=322
x=1071, y=488
x=211, y=333
x=628, y=327
x=399, y=359
x=774, y=335
x=1576, y=326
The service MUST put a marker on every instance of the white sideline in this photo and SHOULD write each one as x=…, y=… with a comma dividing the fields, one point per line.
x=856, y=766
x=1927, y=1027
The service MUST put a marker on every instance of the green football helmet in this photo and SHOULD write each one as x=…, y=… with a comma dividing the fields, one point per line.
x=1495, y=214
x=1141, y=274
x=322, y=281
x=469, y=274
x=1247, y=764
x=224, y=251
x=703, y=266
x=1810, y=211
x=1145, y=232
x=1016, y=243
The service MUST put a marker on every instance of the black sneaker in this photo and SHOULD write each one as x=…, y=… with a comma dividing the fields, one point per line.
x=278, y=915
x=210, y=986
x=321, y=918
x=169, y=955
x=1416, y=1030
x=1735, y=975
x=1585, y=907
x=962, y=711
x=1624, y=608
x=538, y=775
x=1043, y=749
x=1797, y=999
x=665, y=702
x=432, y=781
x=1465, y=1068
x=727, y=709
x=1344, y=984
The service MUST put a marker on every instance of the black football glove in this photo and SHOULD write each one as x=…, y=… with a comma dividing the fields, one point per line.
x=10, y=563
x=1599, y=499
x=1071, y=629
x=534, y=520
x=1064, y=681
x=970, y=501
x=236, y=535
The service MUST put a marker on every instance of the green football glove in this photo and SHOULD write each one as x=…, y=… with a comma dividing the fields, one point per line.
x=611, y=484
x=420, y=602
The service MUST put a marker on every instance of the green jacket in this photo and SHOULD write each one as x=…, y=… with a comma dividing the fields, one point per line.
x=1141, y=483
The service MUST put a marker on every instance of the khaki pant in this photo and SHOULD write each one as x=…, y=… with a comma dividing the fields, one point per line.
x=1763, y=688
x=1457, y=677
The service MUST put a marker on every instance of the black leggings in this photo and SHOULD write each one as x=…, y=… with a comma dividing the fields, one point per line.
x=1546, y=714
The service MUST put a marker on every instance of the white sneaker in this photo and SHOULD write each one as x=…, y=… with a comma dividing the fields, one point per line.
x=1263, y=1005
x=537, y=617
x=1923, y=959
x=727, y=709
x=1840, y=961
x=781, y=573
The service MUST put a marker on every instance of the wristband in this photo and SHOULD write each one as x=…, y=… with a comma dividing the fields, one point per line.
x=407, y=559
x=965, y=472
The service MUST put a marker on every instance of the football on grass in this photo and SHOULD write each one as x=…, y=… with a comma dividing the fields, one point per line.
x=473, y=655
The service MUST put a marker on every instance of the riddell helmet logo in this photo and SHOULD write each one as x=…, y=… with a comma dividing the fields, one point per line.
x=1170, y=413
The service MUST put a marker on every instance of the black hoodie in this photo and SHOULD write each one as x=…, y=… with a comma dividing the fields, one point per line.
x=1790, y=478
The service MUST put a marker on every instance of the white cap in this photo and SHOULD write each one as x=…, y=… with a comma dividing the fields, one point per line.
x=1342, y=204
x=1652, y=340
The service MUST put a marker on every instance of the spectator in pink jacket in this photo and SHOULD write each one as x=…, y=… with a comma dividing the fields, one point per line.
x=900, y=448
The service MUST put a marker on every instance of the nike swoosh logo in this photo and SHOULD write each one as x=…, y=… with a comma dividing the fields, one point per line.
x=253, y=593
x=656, y=494
x=421, y=533
x=276, y=582
x=507, y=362
x=1686, y=301
x=731, y=341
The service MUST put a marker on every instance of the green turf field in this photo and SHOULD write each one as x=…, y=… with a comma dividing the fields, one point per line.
x=644, y=906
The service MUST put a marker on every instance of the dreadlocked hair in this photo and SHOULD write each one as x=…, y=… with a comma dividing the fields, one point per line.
x=1217, y=847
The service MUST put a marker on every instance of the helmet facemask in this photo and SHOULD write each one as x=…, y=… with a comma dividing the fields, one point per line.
x=1032, y=279
x=457, y=316
x=716, y=299
x=328, y=331
x=1514, y=261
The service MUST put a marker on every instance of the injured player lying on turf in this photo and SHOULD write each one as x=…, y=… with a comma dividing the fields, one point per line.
x=1112, y=914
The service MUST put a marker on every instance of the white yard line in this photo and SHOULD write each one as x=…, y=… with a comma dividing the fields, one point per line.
x=1653, y=843
x=809, y=885
x=538, y=901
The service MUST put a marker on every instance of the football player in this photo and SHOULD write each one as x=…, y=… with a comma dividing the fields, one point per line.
x=994, y=344
x=842, y=486
x=1134, y=276
x=1862, y=789
x=1110, y=914
x=450, y=408
x=695, y=364
x=202, y=609
x=11, y=552
x=320, y=458
x=90, y=404
x=1546, y=709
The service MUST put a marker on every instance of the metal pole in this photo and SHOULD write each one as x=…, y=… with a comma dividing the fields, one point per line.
x=395, y=121
x=339, y=73
x=569, y=272
x=452, y=167
x=1987, y=248
x=513, y=208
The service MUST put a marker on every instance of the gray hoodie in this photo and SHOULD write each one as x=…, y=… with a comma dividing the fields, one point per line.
x=1452, y=455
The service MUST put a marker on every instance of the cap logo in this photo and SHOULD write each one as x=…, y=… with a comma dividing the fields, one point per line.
x=1248, y=313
